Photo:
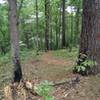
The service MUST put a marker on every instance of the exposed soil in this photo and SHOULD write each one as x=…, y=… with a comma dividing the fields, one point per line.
x=48, y=67
x=50, y=59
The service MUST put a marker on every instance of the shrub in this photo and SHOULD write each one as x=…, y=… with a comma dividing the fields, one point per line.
x=84, y=65
x=44, y=89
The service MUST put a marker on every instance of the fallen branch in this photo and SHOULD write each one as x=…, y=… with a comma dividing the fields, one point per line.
x=70, y=82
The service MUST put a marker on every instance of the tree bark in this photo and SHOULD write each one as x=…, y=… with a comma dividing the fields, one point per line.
x=26, y=34
x=47, y=5
x=17, y=75
x=37, y=30
x=57, y=29
x=51, y=31
x=90, y=35
x=63, y=24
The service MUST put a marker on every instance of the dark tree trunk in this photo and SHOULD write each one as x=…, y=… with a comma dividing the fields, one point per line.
x=37, y=30
x=87, y=22
x=57, y=29
x=51, y=40
x=14, y=40
x=47, y=5
x=51, y=37
x=27, y=40
x=90, y=35
x=63, y=24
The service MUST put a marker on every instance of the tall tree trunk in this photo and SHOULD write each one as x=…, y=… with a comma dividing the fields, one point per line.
x=60, y=27
x=90, y=35
x=37, y=29
x=14, y=40
x=26, y=34
x=57, y=29
x=63, y=24
x=51, y=29
x=47, y=11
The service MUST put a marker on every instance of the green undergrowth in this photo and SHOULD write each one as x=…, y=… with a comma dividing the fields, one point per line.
x=66, y=54
x=6, y=67
x=25, y=55
x=44, y=89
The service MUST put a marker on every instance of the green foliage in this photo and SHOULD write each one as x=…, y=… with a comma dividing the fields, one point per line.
x=89, y=62
x=44, y=89
x=4, y=36
x=27, y=23
x=65, y=54
x=79, y=68
x=85, y=66
x=48, y=98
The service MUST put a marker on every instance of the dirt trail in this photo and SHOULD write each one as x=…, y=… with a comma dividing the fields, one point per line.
x=47, y=67
x=50, y=59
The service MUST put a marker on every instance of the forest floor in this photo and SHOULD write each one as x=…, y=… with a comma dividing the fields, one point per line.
x=56, y=67
x=48, y=67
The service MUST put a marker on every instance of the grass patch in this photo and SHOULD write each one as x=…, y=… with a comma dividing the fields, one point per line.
x=65, y=54
x=5, y=69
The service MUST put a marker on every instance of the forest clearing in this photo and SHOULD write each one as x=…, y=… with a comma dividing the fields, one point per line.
x=49, y=49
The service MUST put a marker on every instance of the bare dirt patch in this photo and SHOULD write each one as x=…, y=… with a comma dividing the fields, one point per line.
x=50, y=59
x=47, y=67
